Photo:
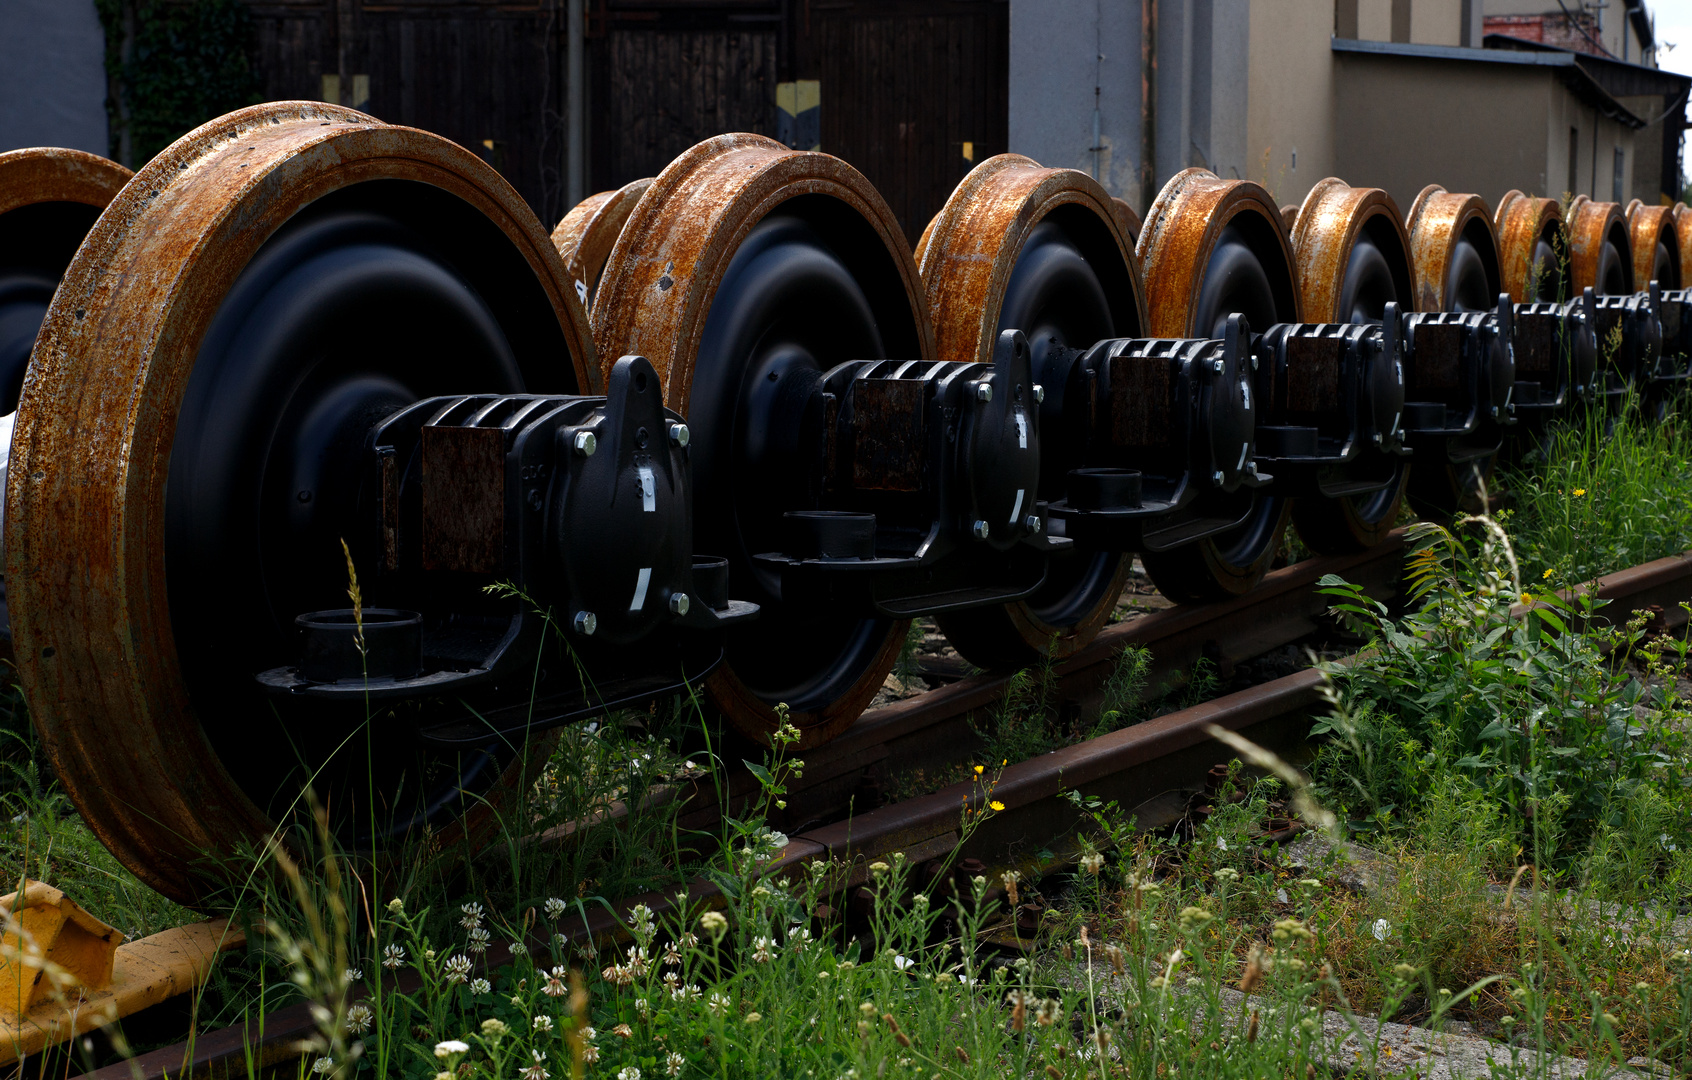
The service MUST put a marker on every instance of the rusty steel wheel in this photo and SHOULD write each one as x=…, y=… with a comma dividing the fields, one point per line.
x=587, y=234
x=1454, y=249
x=1353, y=260
x=1600, y=253
x=745, y=272
x=261, y=290
x=1021, y=247
x=49, y=198
x=1533, y=248
x=1211, y=248
x=1656, y=245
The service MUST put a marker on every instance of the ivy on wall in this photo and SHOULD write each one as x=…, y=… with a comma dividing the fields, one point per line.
x=171, y=65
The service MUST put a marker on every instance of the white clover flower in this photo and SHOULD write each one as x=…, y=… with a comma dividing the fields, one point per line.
x=554, y=986
x=1092, y=862
x=1221, y=844
x=479, y=938
x=541, y=1022
x=590, y=1054
x=393, y=956
x=1381, y=929
x=554, y=907
x=673, y=1064
x=628, y=1073
x=718, y=1003
x=359, y=1019
x=353, y=974
x=458, y=968
x=472, y=915
x=672, y=956
x=449, y=1047
x=323, y=1065
x=480, y=987
x=762, y=949
x=644, y=1008
x=589, y=1033
x=517, y=948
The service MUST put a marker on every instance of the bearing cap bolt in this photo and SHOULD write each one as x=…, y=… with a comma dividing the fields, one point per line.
x=586, y=622
x=984, y=391
x=1218, y=365
x=679, y=603
x=585, y=444
x=1034, y=524
x=1039, y=394
x=980, y=529
x=1216, y=478
x=679, y=435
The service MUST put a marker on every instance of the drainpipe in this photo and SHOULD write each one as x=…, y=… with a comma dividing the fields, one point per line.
x=575, y=173
x=1148, y=103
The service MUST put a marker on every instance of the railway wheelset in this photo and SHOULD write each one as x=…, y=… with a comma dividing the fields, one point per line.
x=722, y=429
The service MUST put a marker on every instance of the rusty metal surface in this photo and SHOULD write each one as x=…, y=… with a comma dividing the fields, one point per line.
x=1682, y=216
x=1648, y=226
x=1127, y=220
x=1436, y=222
x=1521, y=222
x=966, y=256
x=54, y=174
x=85, y=500
x=657, y=291
x=586, y=235
x=463, y=482
x=1328, y=223
x=1180, y=232
x=889, y=438
x=1592, y=224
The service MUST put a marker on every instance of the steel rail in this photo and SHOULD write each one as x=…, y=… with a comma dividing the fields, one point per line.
x=1146, y=768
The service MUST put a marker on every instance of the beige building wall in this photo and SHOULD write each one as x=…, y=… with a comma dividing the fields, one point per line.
x=1374, y=20
x=1436, y=22
x=1395, y=116
x=1290, y=95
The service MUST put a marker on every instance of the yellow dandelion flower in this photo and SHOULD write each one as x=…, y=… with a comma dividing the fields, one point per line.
x=979, y=769
x=1547, y=575
x=996, y=805
x=1578, y=492
x=1527, y=598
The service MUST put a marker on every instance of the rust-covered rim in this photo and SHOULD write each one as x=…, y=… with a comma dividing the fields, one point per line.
x=1181, y=232
x=1527, y=228
x=1683, y=239
x=1448, y=230
x=55, y=174
x=1593, y=228
x=585, y=237
x=1289, y=217
x=1329, y=223
x=1126, y=220
x=1651, y=228
x=85, y=497
x=656, y=296
x=966, y=257
x=967, y=254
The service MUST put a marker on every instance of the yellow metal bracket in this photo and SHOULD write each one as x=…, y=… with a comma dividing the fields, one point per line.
x=64, y=972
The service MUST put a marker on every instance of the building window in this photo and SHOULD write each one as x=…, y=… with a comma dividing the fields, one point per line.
x=1616, y=194
x=1574, y=161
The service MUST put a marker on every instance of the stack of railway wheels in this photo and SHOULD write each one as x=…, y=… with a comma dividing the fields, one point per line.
x=304, y=353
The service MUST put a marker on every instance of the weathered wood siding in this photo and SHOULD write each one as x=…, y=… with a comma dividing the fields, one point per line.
x=904, y=84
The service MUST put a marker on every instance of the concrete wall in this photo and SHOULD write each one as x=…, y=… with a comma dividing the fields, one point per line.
x=1396, y=125
x=1290, y=108
x=1053, y=73
x=52, y=75
x=1436, y=22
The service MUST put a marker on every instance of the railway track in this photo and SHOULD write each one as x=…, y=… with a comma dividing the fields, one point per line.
x=1154, y=769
